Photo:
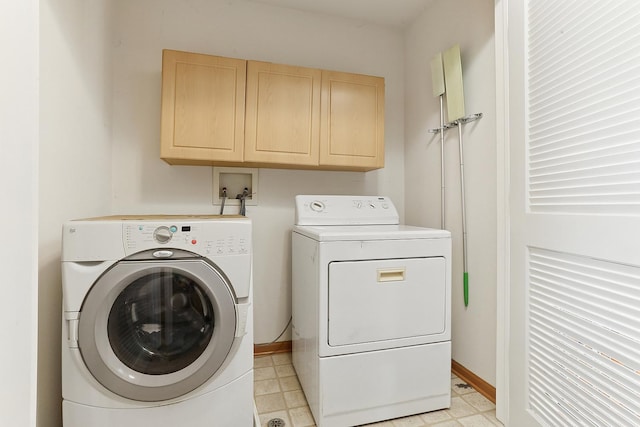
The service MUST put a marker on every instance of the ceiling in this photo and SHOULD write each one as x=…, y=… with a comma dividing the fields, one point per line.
x=397, y=14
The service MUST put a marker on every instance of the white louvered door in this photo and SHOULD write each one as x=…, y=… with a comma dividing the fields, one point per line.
x=574, y=135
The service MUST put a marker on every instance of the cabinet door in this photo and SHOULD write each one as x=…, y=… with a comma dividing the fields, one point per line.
x=282, y=114
x=202, y=108
x=352, y=121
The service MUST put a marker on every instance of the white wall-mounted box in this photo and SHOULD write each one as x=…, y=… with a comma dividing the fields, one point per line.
x=235, y=180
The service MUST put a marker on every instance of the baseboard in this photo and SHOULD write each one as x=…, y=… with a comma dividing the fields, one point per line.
x=480, y=385
x=272, y=348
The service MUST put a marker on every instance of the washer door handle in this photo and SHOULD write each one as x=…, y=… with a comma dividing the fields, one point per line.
x=163, y=254
x=72, y=319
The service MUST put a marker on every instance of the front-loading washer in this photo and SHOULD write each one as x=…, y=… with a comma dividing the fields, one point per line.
x=371, y=310
x=157, y=321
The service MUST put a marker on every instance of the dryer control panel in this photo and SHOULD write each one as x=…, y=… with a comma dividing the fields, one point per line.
x=345, y=210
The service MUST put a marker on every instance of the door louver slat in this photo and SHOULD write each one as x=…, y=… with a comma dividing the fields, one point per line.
x=584, y=340
x=584, y=107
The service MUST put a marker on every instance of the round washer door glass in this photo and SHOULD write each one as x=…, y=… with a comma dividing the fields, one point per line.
x=161, y=323
x=155, y=330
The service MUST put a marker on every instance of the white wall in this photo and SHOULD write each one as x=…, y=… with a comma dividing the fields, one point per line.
x=75, y=158
x=469, y=23
x=19, y=213
x=142, y=183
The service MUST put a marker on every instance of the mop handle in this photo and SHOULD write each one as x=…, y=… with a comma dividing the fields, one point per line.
x=464, y=221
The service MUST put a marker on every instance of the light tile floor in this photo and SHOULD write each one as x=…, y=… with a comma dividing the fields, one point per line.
x=278, y=395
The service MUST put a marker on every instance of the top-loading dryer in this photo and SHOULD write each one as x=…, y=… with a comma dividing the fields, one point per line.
x=371, y=311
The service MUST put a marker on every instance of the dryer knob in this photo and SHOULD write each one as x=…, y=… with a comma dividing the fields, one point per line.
x=162, y=234
x=317, y=206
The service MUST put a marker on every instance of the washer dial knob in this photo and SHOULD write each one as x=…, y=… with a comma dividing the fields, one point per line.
x=162, y=234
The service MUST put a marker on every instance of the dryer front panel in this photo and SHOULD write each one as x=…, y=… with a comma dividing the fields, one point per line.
x=383, y=300
x=155, y=330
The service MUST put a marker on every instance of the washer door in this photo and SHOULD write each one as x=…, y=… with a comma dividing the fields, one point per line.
x=154, y=330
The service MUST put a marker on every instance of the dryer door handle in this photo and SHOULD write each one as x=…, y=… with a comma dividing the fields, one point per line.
x=391, y=275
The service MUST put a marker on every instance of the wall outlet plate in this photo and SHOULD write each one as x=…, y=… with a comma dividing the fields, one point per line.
x=235, y=180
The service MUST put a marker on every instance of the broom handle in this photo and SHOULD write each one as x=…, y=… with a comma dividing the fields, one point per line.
x=442, y=221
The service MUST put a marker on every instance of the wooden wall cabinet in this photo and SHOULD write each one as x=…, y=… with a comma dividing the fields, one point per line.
x=282, y=119
x=352, y=121
x=202, y=113
x=288, y=117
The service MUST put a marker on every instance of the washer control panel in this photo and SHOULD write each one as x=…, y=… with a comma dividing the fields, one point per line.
x=345, y=210
x=206, y=238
